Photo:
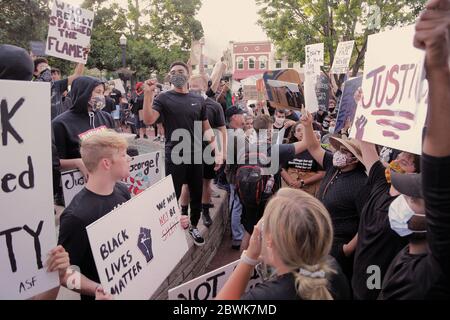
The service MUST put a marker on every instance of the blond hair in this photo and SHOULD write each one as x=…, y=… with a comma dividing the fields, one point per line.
x=302, y=235
x=100, y=145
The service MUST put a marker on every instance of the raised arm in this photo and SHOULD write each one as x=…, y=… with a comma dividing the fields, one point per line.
x=79, y=69
x=310, y=139
x=150, y=115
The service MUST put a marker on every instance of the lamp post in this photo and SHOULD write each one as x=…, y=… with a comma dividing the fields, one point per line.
x=123, y=45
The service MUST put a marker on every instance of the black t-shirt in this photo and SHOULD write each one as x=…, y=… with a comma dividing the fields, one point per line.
x=138, y=104
x=344, y=198
x=86, y=208
x=377, y=244
x=57, y=90
x=181, y=111
x=71, y=126
x=283, y=287
x=214, y=113
x=409, y=276
x=304, y=162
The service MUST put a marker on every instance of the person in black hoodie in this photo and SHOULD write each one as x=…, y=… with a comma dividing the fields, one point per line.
x=83, y=118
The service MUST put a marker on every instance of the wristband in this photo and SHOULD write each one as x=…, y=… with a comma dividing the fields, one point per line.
x=245, y=259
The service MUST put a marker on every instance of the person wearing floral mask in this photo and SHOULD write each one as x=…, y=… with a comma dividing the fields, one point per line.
x=342, y=190
x=84, y=117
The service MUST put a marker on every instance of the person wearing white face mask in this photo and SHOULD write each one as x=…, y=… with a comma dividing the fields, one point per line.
x=342, y=190
x=84, y=117
x=407, y=274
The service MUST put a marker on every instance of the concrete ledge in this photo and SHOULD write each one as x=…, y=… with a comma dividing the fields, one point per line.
x=197, y=259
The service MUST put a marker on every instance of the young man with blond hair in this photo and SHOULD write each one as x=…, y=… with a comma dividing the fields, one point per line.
x=105, y=156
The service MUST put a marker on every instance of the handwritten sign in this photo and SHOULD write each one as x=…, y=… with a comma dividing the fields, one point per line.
x=393, y=109
x=314, y=54
x=207, y=286
x=145, y=170
x=347, y=105
x=137, y=245
x=70, y=30
x=283, y=88
x=342, y=57
x=323, y=89
x=27, y=223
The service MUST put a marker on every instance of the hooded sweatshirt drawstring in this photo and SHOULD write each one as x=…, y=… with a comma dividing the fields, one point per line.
x=91, y=119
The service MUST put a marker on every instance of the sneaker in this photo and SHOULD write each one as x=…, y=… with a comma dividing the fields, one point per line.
x=195, y=234
x=207, y=221
x=156, y=138
x=137, y=137
x=145, y=136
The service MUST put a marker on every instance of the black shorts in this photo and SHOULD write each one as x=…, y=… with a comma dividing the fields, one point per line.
x=208, y=171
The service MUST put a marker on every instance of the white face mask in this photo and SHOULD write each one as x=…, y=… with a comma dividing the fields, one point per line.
x=399, y=215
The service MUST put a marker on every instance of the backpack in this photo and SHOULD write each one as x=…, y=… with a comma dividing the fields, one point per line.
x=253, y=186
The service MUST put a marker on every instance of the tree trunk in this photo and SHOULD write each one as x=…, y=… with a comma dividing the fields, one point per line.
x=360, y=59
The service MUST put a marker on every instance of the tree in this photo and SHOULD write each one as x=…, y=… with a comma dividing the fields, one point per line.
x=293, y=24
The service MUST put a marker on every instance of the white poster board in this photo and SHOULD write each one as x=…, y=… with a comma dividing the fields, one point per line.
x=145, y=170
x=70, y=30
x=118, y=84
x=314, y=54
x=27, y=223
x=137, y=245
x=311, y=78
x=342, y=58
x=207, y=286
x=394, y=106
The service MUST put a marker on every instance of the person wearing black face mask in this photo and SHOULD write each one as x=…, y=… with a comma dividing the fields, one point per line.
x=83, y=118
x=181, y=110
x=42, y=72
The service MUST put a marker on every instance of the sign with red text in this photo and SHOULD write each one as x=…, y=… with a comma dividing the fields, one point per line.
x=207, y=286
x=145, y=170
x=342, y=58
x=69, y=32
x=137, y=245
x=27, y=219
x=393, y=109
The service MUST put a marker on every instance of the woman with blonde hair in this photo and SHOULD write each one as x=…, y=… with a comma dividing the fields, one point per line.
x=294, y=237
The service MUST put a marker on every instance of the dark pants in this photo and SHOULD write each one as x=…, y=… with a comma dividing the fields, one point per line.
x=192, y=175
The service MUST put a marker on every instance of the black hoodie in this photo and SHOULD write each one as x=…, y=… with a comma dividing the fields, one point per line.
x=76, y=122
x=15, y=63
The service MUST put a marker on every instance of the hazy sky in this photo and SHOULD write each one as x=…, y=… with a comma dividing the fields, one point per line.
x=224, y=21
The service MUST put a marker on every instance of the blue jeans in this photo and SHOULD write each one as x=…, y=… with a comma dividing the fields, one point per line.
x=237, y=229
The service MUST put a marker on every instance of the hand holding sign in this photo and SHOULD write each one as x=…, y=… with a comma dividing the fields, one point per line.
x=58, y=260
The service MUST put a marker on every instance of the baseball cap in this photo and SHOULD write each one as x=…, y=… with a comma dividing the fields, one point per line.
x=231, y=111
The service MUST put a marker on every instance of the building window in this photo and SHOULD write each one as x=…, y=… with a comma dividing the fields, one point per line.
x=251, y=63
x=278, y=64
x=240, y=63
x=290, y=65
x=263, y=62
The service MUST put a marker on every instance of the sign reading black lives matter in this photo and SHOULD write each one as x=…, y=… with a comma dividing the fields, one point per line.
x=137, y=245
x=27, y=221
x=70, y=30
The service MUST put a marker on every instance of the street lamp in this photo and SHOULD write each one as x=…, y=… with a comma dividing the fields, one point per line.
x=123, y=45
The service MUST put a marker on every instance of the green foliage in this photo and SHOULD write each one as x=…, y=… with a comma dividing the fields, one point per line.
x=292, y=24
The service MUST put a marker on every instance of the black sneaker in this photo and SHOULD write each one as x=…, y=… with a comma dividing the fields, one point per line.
x=145, y=136
x=195, y=234
x=207, y=221
x=137, y=137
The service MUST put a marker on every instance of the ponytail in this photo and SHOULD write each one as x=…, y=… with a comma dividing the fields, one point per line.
x=313, y=285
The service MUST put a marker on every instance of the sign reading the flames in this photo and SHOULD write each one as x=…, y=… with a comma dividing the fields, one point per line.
x=393, y=109
x=145, y=170
x=134, y=256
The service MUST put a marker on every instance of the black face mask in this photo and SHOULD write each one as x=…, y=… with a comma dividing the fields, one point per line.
x=45, y=76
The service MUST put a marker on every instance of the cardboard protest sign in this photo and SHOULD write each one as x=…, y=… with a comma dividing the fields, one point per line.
x=69, y=32
x=393, y=109
x=196, y=52
x=347, y=105
x=342, y=58
x=207, y=286
x=27, y=223
x=135, y=255
x=323, y=91
x=314, y=54
x=283, y=88
x=37, y=48
x=250, y=92
x=145, y=170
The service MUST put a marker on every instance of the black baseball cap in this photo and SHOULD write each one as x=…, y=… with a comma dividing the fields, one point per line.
x=231, y=111
x=409, y=184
